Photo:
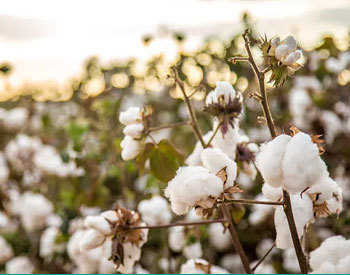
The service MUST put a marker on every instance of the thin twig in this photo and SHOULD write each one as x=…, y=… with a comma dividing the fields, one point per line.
x=214, y=134
x=244, y=201
x=264, y=257
x=171, y=125
x=234, y=237
x=234, y=59
x=190, y=108
x=176, y=224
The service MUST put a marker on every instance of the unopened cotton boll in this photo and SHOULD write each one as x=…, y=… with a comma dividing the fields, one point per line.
x=131, y=115
x=6, y=251
x=215, y=160
x=303, y=214
x=155, y=211
x=269, y=160
x=91, y=239
x=193, y=251
x=19, y=265
x=193, y=185
x=272, y=193
x=134, y=130
x=130, y=148
x=219, y=237
x=302, y=165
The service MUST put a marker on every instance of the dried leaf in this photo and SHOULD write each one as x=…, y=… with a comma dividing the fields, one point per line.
x=204, y=267
x=318, y=141
x=321, y=210
x=233, y=189
x=294, y=130
x=222, y=174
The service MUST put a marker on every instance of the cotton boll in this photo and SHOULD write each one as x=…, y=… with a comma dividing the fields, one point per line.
x=211, y=98
x=272, y=193
x=130, y=148
x=233, y=263
x=6, y=251
x=324, y=190
x=302, y=165
x=132, y=253
x=343, y=265
x=105, y=266
x=48, y=245
x=269, y=160
x=191, y=186
x=301, y=108
x=263, y=247
x=131, y=115
x=219, y=238
x=292, y=58
x=227, y=142
x=191, y=266
x=264, y=268
x=177, y=238
x=15, y=118
x=192, y=216
x=215, y=160
x=4, y=170
x=19, y=265
x=335, y=203
x=193, y=251
x=332, y=124
x=224, y=89
x=218, y=270
x=281, y=51
x=325, y=268
x=155, y=211
x=290, y=260
x=110, y=215
x=91, y=239
x=260, y=211
x=275, y=42
x=303, y=214
x=290, y=42
x=98, y=223
x=134, y=130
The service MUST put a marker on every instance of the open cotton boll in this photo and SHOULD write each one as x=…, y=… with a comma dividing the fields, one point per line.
x=324, y=190
x=335, y=203
x=332, y=250
x=293, y=57
x=343, y=266
x=290, y=260
x=200, y=266
x=303, y=214
x=223, y=89
x=272, y=193
x=193, y=251
x=269, y=160
x=226, y=142
x=193, y=185
x=177, y=238
x=302, y=165
x=260, y=211
x=132, y=253
x=219, y=238
x=134, y=130
x=130, y=148
x=15, y=118
x=98, y=223
x=194, y=159
x=91, y=239
x=48, y=245
x=155, y=211
x=215, y=160
x=281, y=51
x=131, y=115
x=19, y=265
x=290, y=42
x=6, y=251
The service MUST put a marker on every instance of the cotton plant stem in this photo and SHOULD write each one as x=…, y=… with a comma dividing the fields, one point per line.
x=234, y=237
x=244, y=201
x=213, y=135
x=192, y=113
x=176, y=224
x=260, y=75
x=170, y=125
x=264, y=257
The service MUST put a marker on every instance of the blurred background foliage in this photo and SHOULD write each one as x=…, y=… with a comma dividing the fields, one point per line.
x=85, y=127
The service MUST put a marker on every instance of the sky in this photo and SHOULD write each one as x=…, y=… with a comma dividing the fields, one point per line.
x=49, y=40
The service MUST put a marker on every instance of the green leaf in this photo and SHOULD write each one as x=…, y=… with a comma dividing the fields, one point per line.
x=164, y=161
x=144, y=156
x=76, y=132
x=238, y=213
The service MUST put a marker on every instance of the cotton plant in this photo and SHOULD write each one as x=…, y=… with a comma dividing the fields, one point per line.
x=19, y=265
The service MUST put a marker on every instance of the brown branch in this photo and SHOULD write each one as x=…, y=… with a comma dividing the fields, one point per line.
x=234, y=237
x=170, y=125
x=264, y=257
x=192, y=113
x=175, y=224
x=244, y=201
x=234, y=59
x=260, y=75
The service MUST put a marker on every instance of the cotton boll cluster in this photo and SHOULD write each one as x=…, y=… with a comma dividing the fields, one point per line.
x=286, y=50
x=155, y=211
x=201, y=266
x=6, y=251
x=33, y=209
x=198, y=187
x=103, y=231
x=219, y=237
x=19, y=265
x=333, y=256
x=303, y=214
x=292, y=163
x=132, y=118
x=14, y=119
